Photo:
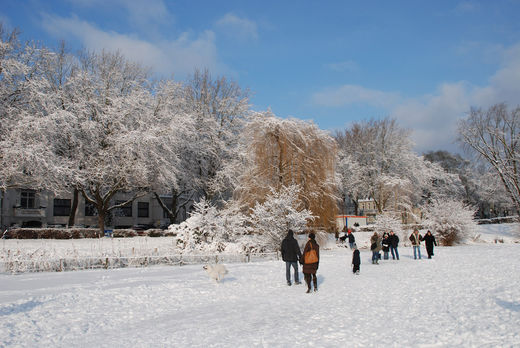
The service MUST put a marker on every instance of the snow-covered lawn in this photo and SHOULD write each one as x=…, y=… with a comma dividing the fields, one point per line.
x=465, y=296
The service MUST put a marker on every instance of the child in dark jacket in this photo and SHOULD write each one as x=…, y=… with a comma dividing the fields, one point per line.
x=356, y=260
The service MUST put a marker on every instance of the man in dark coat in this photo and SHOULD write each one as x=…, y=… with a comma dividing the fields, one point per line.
x=291, y=254
x=311, y=266
x=356, y=260
x=429, y=240
x=394, y=243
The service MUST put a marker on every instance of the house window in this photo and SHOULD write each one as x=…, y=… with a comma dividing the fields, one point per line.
x=142, y=209
x=28, y=199
x=124, y=211
x=90, y=209
x=62, y=207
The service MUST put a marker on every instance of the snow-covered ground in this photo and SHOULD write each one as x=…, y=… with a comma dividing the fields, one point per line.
x=466, y=296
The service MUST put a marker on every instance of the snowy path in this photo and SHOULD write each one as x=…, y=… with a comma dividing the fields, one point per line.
x=466, y=296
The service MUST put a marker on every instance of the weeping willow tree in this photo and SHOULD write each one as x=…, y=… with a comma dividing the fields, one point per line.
x=284, y=152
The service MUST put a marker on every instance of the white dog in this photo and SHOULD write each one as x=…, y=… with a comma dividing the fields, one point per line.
x=216, y=271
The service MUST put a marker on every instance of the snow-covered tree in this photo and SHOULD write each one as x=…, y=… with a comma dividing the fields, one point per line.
x=387, y=222
x=108, y=137
x=494, y=136
x=450, y=219
x=480, y=187
x=282, y=210
x=376, y=160
x=21, y=85
x=220, y=108
x=285, y=152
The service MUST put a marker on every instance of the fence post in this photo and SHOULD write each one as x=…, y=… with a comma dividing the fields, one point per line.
x=61, y=265
x=248, y=257
x=106, y=263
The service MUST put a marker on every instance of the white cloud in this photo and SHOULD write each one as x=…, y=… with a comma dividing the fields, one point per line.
x=434, y=118
x=353, y=94
x=179, y=56
x=240, y=28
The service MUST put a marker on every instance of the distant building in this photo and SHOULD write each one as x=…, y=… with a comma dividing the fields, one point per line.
x=367, y=207
x=32, y=208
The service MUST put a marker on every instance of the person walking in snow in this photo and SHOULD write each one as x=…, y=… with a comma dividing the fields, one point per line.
x=416, y=239
x=351, y=239
x=356, y=260
x=375, y=247
x=311, y=262
x=291, y=254
x=394, y=243
x=429, y=241
x=386, y=245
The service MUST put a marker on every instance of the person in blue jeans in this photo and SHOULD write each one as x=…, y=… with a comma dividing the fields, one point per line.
x=351, y=239
x=375, y=247
x=394, y=243
x=416, y=239
x=291, y=254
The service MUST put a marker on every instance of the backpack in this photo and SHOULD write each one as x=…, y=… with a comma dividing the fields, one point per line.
x=311, y=256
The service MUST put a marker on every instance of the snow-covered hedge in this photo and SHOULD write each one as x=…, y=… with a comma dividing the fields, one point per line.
x=75, y=233
x=51, y=233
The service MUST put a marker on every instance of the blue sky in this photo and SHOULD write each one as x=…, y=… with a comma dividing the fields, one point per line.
x=422, y=62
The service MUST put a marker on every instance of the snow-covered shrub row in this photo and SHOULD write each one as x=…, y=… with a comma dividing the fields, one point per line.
x=75, y=233
x=51, y=233
x=452, y=221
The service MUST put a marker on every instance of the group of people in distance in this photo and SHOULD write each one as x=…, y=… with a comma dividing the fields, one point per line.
x=310, y=258
x=389, y=243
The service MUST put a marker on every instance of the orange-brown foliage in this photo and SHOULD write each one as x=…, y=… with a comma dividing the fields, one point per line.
x=285, y=152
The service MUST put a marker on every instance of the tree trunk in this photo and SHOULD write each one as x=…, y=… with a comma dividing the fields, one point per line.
x=1, y=209
x=74, y=208
x=168, y=211
x=101, y=220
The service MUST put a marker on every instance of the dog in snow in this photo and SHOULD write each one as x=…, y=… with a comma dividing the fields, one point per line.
x=216, y=271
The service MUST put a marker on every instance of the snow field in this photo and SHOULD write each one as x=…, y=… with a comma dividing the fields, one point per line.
x=465, y=296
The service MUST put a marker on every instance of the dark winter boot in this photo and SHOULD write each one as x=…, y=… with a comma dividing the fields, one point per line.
x=315, y=281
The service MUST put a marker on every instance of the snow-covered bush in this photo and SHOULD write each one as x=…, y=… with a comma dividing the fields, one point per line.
x=280, y=212
x=209, y=229
x=451, y=220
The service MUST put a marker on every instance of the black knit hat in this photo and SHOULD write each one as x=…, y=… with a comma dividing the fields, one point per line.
x=312, y=235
